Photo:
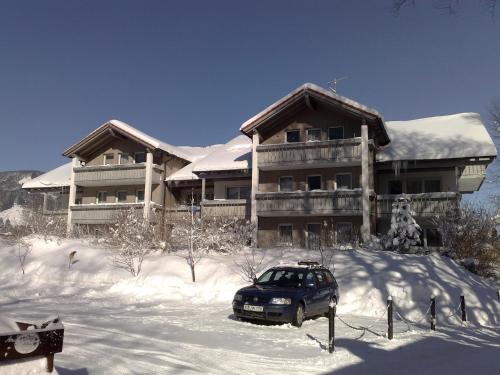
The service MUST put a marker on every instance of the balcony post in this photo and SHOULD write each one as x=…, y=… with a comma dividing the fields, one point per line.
x=365, y=187
x=148, y=185
x=75, y=162
x=255, y=181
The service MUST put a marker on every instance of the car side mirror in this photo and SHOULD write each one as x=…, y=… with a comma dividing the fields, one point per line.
x=254, y=280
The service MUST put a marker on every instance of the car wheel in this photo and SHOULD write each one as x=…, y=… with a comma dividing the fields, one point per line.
x=298, y=317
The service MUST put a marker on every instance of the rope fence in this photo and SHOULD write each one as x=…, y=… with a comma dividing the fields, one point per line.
x=391, y=311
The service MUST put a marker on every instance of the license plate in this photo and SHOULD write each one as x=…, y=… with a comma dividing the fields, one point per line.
x=253, y=308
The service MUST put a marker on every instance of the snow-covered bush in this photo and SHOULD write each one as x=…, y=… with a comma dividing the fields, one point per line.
x=132, y=238
x=35, y=222
x=469, y=234
x=404, y=231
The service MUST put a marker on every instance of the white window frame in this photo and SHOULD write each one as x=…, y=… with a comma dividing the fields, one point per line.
x=140, y=152
x=104, y=159
x=290, y=131
x=320, y=181
x=342, y=223
x=137, y=196
x=282, y=225
x=343, y=174
x=311, y=129
x=97, y=201
x=120, y=158
x=121, y=191
x=336, y=127
x=279, y=182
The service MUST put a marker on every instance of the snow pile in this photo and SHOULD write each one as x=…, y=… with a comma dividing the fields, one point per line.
x=366, y=279
x=13, y=214
x=461, y=135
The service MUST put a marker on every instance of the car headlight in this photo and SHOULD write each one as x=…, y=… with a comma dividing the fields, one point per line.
x=281, y=301
x=238, y=297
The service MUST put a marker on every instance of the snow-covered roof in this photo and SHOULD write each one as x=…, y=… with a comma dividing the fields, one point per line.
x=54, y=178
x=461, y=135
x=186, y=153
x=234, y=155
x=311, y=87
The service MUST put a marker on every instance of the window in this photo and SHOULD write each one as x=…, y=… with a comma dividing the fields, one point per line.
x=414, y=187
x=123, y=158
x=313, y=235
x=238, y=192
x=310, y=280
x=101, y=197
x=321, y=278
x=432, y=186
x=139, y=197
x=293, y=136
x=343, y=180
x=313, y=183
x=108, y=159
x=286, y=183
x=344, y=232
x=395, y=187
x=285, y=234
x=121, y=196
x=313, y=135
x=336, y=132
x=140, y=157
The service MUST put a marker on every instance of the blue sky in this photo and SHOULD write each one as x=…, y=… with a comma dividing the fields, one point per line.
x=190, y=72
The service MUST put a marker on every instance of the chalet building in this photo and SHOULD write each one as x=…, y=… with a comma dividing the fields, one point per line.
x=312, y=162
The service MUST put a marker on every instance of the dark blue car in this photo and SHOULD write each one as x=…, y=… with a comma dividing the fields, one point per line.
x=287, y=294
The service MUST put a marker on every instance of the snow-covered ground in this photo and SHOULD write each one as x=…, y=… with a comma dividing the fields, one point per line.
x=162, y=323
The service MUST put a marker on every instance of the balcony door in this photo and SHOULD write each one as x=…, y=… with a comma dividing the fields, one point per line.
x=313, y=235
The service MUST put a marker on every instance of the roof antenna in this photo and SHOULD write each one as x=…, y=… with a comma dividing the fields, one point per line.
x=333, y=84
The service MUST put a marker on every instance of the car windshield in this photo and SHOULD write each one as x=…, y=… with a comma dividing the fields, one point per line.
x=280, y=277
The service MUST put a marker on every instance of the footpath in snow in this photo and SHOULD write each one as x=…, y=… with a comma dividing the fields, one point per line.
x=161, y=323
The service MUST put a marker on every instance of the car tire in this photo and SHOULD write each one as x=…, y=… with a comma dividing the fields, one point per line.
x=298, y=317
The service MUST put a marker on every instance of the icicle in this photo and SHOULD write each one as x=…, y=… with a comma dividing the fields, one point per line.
x=396, y=167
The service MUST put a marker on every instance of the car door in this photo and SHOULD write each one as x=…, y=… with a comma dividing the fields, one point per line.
x=310, y=296
x=323, y=292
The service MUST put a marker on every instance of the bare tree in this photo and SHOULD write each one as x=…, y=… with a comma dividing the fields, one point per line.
x=251, y=265
x=132, y=239
x=445, y=6
x=470, y=236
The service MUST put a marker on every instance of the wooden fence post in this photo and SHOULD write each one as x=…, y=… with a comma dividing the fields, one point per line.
x=433, y=313
x=462, y=307
x=389, y=318
x=331, y=325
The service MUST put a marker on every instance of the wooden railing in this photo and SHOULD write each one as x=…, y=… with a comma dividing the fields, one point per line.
x=102, y=213
x=342, y=151
x=425, y=204
x=228, y=208
x=112, y=175
x=336, y=202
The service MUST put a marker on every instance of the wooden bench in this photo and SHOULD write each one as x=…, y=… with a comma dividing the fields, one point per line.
x=32, y=340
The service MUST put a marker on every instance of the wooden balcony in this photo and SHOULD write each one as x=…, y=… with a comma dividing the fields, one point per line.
x=314, y=203
x=425, y=204
x=102, y=213
x=239, y=208
x=342, y=152
x=115, y=175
